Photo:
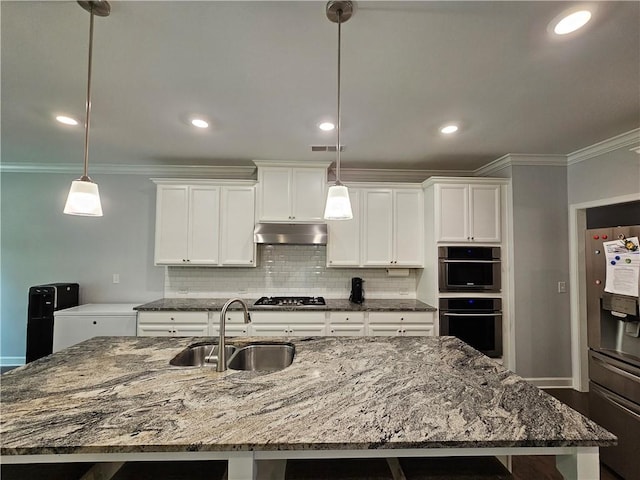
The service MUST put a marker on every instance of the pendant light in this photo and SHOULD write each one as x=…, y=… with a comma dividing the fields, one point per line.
x=84, y=198
x=338, y=205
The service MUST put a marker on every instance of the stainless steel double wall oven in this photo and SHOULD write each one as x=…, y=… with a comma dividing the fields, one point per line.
x=475, y=319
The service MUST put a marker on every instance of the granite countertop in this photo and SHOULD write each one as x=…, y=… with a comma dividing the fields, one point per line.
x=216, y=304
x=119, y=394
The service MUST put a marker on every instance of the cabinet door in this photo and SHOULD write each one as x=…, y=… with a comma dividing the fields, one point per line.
x=408, y=228
x=384, y=330
x=308, y=194
x=68, y=331
x=237, y=223
x=304, y=330
x=204, y=225
x=275, y=194
x=191, y=331
x=160, y=330
x=268, y=330
x=377, y=227
x=231, y=330
x=172, y=223
x=343, y=246
x=417, y=331
x=452, y=213
x=484, y=217
x=341, y=330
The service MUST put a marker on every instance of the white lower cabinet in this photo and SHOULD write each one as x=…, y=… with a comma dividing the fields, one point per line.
x=76, y=324
x=287, y=324
x=173, y=324
x=404, y=324
x=346, y=324
x=234, y=324
x=291, y=324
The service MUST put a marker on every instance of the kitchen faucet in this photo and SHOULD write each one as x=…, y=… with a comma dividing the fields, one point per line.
x=222, y=357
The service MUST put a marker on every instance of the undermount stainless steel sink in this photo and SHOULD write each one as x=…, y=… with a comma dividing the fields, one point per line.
x=262, y=356
x=259, y=356
x=197, y=355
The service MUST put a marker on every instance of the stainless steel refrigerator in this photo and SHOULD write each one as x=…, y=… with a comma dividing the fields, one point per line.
x=614, y=353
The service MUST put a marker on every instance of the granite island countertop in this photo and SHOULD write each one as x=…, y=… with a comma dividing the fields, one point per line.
x=120, y=395
x=337, y=305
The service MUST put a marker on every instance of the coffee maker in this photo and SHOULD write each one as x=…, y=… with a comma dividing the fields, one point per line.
x=357, y=292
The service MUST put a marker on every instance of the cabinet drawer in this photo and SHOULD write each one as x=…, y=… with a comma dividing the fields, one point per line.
x=173, y=317
x=400, y=317
x=346, y=317
x=169, y=330
x=291, y=318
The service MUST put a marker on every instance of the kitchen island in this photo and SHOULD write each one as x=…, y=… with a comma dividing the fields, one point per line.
x=114, y=399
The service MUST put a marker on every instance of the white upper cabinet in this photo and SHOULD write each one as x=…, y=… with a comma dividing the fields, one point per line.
x=291, y=193
x=237, y=224
x=343, y=244
x=408, y=218
x=377, y=239
x=467, y=212
x=204, y=223
x=393, y=227
x=387, y=229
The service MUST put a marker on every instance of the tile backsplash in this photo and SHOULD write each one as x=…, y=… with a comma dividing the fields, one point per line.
x=286, y=270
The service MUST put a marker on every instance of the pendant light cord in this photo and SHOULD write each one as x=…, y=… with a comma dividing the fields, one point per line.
x=88, y=106
x=339, y=12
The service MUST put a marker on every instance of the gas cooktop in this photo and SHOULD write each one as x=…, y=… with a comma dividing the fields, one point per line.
x=291, y=301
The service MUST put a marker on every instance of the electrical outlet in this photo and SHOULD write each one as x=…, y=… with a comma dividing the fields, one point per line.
x=562, y=287
x=116, y=278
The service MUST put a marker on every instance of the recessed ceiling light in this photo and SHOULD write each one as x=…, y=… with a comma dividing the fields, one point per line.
x=66, y=120
x=198, y=122
x=326, y=126
x=449, y=129
x=572, y=22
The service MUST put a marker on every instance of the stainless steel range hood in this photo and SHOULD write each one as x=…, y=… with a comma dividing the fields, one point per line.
x=291, y=233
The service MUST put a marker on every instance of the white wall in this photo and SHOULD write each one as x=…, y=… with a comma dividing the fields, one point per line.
x=42, y=245
x=609, y=175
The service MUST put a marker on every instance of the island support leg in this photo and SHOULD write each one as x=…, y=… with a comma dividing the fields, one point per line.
x=583, y=465
x=242, y=467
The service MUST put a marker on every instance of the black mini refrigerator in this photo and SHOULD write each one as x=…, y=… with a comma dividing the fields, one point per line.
x=43, y=301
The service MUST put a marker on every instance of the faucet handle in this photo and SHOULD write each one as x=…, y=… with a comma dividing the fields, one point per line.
x=248, y=317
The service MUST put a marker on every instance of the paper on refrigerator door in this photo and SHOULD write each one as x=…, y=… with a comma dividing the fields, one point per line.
x=623, y=266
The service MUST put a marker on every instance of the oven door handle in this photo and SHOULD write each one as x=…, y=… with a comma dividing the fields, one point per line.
x=447, y=314
x=469, y=261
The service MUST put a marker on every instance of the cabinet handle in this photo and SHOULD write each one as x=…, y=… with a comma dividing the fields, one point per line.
x=95, y=323
x=250, y=261
x=401, y=318
x=347, y=319
x=172, y=319
x=333, y=331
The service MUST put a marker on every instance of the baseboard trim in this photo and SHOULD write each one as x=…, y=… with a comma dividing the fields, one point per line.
x=551, y=382
x=12, y=361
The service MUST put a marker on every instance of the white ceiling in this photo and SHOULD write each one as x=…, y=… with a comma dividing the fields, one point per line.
x=265, y=74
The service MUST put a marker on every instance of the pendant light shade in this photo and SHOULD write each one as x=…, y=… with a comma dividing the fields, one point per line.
x=84, y=198
x=338, y=205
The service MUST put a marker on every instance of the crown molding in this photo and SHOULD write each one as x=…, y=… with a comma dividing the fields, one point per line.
x=239, y=172
x=629, y=139
x=521, y=159
x=395, y=175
